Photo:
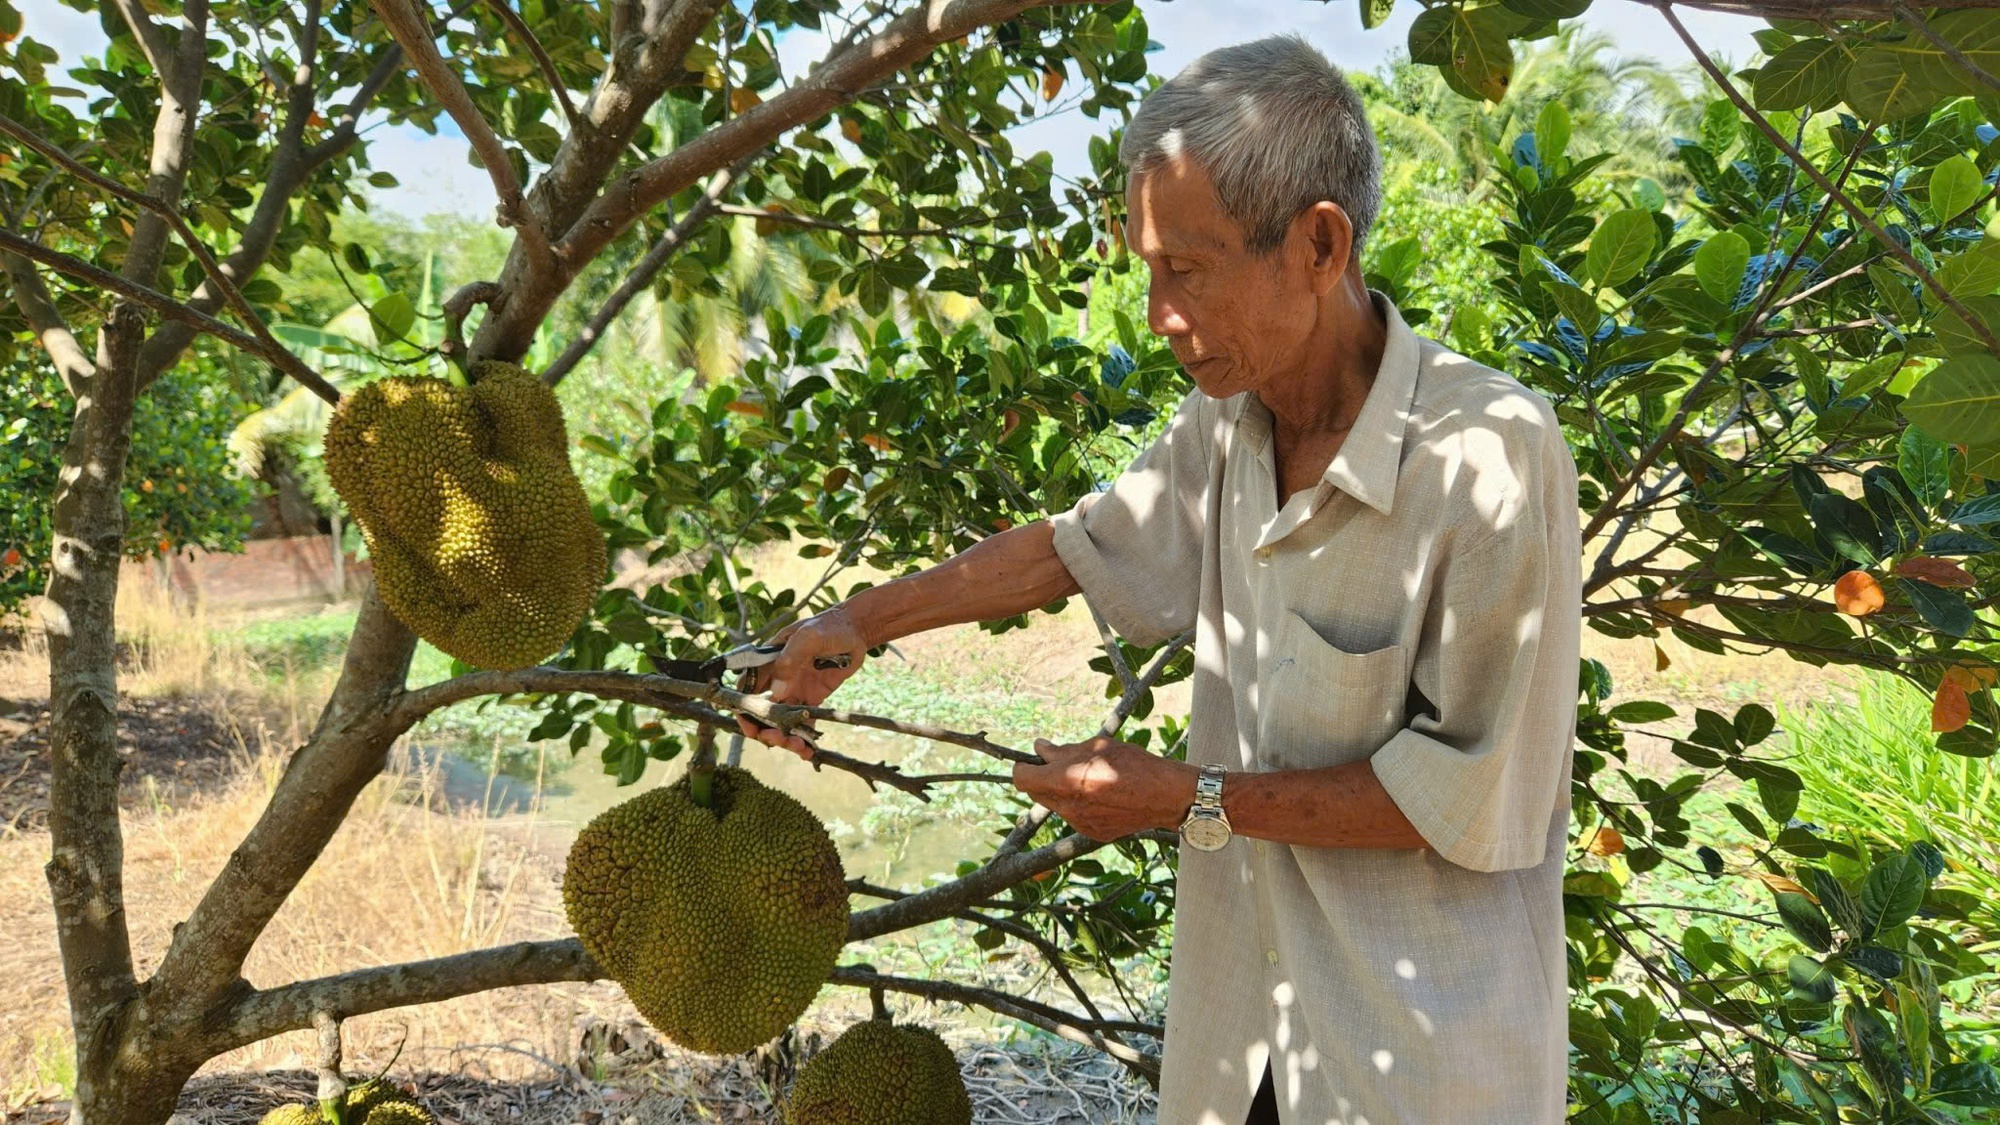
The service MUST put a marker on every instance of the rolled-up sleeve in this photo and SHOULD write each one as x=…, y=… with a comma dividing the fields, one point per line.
x=1479, y=779
x=1136, y=548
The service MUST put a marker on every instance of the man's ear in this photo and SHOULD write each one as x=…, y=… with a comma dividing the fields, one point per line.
x=1328, y=243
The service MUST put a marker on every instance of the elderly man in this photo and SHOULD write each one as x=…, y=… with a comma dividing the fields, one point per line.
x=1375, y=541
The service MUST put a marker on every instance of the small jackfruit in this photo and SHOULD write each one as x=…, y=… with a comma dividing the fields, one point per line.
x=879, y=1073
x=721, y=923
x=374, y=1102
x=482, y=540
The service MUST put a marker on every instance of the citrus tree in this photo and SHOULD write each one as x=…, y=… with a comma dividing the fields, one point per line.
x=1779, y=385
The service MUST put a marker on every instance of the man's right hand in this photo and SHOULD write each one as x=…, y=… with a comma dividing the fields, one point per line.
x=792, y=678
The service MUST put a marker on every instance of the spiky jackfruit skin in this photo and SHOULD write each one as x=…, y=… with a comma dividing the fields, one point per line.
x=482, y=539
x=374, y=1102
x=879, y=1073
x=720, y=923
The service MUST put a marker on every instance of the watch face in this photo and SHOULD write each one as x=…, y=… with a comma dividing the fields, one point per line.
x=1205, y=833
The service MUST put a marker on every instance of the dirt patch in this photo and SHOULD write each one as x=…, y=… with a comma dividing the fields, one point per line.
x=170, y=749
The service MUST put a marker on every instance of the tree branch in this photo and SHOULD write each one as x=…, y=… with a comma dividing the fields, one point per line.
x=173, y=142
x=1077, y=1029
x=947, y=899
x=244, y=313
x=166, y=306
x=642, y=274
x=521, y=31
x=146, y=33
x=1905, y=14
x=410, y=24
x=51, y=330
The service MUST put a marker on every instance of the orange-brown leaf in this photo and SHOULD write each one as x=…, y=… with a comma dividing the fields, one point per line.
x=1966, y=679
x=741, y=100
x=1951, y=709
x=1782, y=884
x=851, y=129
x=1937, y=572
x=1660, y=661
x=1857, y=594
x=1052, y=84
x=1606, y=841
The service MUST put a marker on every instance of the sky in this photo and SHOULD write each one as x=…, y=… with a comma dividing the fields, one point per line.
x=435, y=176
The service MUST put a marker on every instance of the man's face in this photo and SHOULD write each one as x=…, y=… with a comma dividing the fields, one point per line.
x=1236, y=320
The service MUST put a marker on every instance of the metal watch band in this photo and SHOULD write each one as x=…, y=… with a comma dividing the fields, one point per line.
x=1206, y=827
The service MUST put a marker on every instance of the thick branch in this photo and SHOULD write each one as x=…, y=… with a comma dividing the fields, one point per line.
x=152, y=43
x=173, y=142
x=51, y=330
x=947, y=899
x=290, y=1007
x=244, y=313
x=643, y=273
x=412, y=30
x=166, y=306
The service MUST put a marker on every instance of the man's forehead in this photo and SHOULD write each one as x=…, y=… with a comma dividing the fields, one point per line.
x=1174, y=209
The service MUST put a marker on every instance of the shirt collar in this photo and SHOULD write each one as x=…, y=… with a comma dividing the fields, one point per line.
x=1372, y=455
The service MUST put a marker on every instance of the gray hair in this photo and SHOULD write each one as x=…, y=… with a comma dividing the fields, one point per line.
x=1275, y=126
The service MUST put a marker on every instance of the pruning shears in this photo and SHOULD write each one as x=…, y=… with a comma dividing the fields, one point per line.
x=741, y=659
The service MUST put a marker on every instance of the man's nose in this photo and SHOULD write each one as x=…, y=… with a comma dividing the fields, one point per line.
x=1164, y=315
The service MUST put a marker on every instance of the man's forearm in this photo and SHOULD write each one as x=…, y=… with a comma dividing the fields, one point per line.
x=1332, y=807
x=1004, y=575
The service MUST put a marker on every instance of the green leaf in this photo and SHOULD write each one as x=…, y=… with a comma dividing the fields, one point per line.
x=1892, y=892
x=1552, y=131
x=381, y=180
x=1805, y=921
x=1833, y=898
x=1881, y=88
x=1956, y=337
x=393, y=316
x=1620, y=246
x=1640, y=711
x=1809, y=978
x=1719, y=265
x=1955, y=183
x=1974, y=272
x=1575, y=304
x=1895, y=294
x=1884, y=965
x=1482, y=58
x=1431, y=36
x=1847, y=526
x=1976, y=36
x=1966, y=1083
x=1373, y=12
x=1754, y=723
x=1548, y=9
x=355, y=257
x=1942, y=609
x=1959, y=401
x=1804, y=75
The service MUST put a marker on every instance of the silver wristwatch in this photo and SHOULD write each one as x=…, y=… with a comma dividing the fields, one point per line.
x=1207, y=826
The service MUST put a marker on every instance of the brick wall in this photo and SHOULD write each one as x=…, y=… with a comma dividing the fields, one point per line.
x=298, y=568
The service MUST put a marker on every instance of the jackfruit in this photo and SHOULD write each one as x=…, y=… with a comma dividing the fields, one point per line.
x=374, y=1102
x=879, y=1073
x=482, y=539
x=721, y=923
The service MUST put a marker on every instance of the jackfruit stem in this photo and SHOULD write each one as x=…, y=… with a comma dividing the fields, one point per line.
x=701, y=771
x=879, y=1002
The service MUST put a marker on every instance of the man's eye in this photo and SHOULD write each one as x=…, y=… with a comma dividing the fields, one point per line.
x=1179, y=269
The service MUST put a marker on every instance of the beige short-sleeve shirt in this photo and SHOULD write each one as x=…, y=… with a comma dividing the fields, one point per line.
x=1418, y=609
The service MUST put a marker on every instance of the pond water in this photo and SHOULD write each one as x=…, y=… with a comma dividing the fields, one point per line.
x=897, y=850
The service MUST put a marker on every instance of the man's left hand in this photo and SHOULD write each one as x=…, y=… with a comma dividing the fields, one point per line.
x=1108, y=789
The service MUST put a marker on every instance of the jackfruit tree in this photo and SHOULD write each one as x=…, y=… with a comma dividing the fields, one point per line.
x=1776, y=366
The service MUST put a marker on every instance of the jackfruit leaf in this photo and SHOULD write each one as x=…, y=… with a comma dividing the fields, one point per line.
x=1373, y=12
x=1892, y=892
x=1973, y=272
x=1959, y=401
x=1431, y=36
x=1719, y=264
x=1482, y=58
x=1883, y=964
x=1976, y=37
x=1925, y=465
x=392, y=316
x=1810, y=979
x=1552, y=131
x=1950, y=709
x=1955, y=183
x=1641, y=711
x=1971, y=1083
x=1943, y=610
x=1805, y=921
x=1880, y=87
x=1575, y=304
x=1956, y=337
x=1806, y=74
x=1548, y=9
x=1620, y=246
x=1847, y=526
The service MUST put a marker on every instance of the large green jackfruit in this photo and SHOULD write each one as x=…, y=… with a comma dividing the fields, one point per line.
x=721, y=923
x=878, y=1073
x=482, y=539
x=374, y=1102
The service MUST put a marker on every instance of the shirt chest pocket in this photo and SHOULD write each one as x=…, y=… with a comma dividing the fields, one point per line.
x=1324, y=706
